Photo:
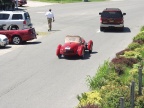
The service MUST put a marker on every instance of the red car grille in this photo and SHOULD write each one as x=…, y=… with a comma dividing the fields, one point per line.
x=68, y=52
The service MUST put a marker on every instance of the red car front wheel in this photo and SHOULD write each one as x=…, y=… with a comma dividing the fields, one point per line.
x=90, y=46
x=81, y=51
x=58, y=51
x=90, y=51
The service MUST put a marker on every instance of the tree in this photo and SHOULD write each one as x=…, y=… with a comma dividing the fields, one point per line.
x=7, y=4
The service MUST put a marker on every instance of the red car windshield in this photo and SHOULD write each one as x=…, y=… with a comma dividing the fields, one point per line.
x=76, y=39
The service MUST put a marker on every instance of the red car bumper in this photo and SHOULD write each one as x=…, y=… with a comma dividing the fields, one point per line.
x=30, y=35
x=69, y=53
x=20, y=3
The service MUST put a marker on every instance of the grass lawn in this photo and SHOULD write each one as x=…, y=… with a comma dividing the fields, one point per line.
x=67, y=1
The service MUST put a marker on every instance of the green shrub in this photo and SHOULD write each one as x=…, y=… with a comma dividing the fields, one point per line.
x=133, y=45
x=112, y=78
x=124, y=61
x=89, y=98
x=142, y=28
x=89, y=106
x=100, y=78
x=141, y=42
x=126, y=78
x=142, y=53
x=139, y=38
x=135, y=69
x=140, y=50
x=111, y=95
x=121, y=52
x=133, y=54
x=118, y=67
x=139, y=102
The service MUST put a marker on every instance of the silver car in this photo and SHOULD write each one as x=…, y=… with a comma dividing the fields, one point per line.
x=3, y=40
x=15, y=19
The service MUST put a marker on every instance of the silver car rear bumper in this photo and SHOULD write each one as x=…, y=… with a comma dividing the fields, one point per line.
x=4, y=43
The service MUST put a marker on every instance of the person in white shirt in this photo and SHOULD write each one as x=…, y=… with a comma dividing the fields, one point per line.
x=50, y=18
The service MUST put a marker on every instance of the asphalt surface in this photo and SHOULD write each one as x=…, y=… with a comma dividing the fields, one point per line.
x=33, y=77
x=31, y=3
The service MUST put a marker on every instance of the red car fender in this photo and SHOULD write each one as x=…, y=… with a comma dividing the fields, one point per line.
x=80, y=50
x=89, y=45
x=58, y=49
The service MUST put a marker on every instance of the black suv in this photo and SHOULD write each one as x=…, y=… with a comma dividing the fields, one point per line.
x=111, y=18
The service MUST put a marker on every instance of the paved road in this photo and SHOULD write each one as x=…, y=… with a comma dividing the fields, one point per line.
x=33, y=77
x=31, y=3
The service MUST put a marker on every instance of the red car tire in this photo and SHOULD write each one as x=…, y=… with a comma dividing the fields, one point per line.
x=81, y=51
x=90, y=46
x=58, y=51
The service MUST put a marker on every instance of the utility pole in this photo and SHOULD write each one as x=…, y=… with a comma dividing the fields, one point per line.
x=16, y=4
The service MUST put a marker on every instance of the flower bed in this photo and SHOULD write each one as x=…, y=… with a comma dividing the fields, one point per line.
x=113, y=78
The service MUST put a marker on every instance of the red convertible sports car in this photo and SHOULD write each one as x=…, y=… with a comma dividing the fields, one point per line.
x=74, y=45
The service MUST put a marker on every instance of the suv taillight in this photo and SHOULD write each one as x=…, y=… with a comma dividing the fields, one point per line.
x=24, y=22
x=100, y=20
x=122, y=21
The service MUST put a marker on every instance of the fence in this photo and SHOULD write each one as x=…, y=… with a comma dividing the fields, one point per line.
x=132, y=89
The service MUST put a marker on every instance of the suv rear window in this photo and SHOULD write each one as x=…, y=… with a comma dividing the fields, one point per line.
x=112, y=14
x=17, y=16
x=4, y=16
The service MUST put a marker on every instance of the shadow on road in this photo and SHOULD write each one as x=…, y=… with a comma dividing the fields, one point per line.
x=87, y=56
x=7, y=47
x=114, y=30
x=31, y=43
x=54, y=30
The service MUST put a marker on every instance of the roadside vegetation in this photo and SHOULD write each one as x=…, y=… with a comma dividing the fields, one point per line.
x=42, y=33
x=113, y=79
x=67, y=1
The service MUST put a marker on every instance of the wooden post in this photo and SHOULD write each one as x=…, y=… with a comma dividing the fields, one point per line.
x=140, y=81
x=121, y=102
x=132, y=94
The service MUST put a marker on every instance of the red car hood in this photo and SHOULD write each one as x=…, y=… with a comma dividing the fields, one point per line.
x=71, y=45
